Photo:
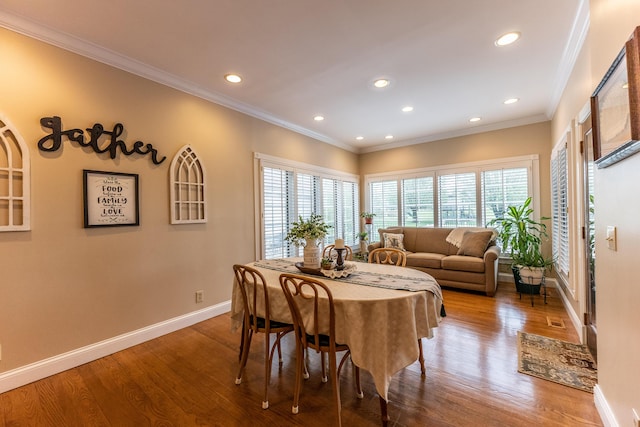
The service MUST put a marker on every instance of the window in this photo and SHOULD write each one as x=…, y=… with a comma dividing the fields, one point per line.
x=384, y=203
x=290, y=189
x=559, y=209
x=457, y=205
x=277, y=211
x=502, y=188
x=417, y=202
x=467, y=195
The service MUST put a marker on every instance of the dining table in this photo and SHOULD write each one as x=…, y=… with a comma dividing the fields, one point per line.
x=381, y=311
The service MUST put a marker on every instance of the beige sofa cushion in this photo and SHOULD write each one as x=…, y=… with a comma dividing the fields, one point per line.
x=433, y=240
x=424, y=260
x=475, y=243
x=463, y=263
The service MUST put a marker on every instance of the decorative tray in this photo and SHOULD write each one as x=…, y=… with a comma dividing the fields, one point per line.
x=332, y=273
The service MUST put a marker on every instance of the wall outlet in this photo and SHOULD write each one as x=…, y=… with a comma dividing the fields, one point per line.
x=199, y=296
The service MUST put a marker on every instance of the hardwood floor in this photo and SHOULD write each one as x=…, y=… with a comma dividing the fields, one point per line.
x=186, y=378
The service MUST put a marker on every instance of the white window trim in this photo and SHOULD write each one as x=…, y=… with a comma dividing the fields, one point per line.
x=261, y=160
x=532, y=162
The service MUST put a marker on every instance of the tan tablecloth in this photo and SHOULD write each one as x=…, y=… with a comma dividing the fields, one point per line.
x=380, y=326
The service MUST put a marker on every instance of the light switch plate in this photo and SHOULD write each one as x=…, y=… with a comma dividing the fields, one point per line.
x=611, y=237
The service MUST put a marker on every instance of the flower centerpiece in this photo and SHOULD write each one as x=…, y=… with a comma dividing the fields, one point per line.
x=308, y=233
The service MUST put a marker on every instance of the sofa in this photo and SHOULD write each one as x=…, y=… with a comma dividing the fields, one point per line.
x=464, y=257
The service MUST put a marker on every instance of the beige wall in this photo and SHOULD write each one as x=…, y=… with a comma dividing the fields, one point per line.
x=63, y=287
x=512, y=142
x=617, y=204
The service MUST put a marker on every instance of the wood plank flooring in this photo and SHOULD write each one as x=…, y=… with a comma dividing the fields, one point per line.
x=186, y=378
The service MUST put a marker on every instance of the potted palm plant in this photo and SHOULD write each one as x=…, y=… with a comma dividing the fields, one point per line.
x=522, y=238
x=308, y=233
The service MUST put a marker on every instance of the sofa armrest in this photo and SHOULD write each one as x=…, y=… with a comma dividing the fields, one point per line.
x=374, y=245
x=491, y=256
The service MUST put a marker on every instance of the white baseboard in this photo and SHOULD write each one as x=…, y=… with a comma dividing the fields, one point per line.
x=575, y=318
x=35, y=371
x=604, y=410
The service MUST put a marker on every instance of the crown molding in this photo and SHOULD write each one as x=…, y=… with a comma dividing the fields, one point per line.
x=577, y=37
x=90, y=50
x=457, y=133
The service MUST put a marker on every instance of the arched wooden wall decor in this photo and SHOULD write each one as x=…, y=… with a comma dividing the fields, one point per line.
x=15, y=180
x=187, y=193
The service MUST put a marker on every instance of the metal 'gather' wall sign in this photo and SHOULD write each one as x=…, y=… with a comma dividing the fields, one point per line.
x=96, y=137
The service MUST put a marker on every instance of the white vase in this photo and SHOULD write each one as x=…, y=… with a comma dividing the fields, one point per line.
x=311, y=254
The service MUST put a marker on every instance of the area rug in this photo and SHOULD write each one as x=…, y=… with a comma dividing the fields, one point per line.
x=558, y=361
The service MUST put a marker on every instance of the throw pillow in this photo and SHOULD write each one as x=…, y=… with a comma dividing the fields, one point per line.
x=394, y=241
x=475, y=243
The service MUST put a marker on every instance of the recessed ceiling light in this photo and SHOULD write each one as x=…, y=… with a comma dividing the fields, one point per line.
x=318, y=118
x=359, y=138
x=407, y=109
x=388, y=137
x=233, y=78
x=381, y=83
x=474, y=119
x=507, y=39
x=511, y=100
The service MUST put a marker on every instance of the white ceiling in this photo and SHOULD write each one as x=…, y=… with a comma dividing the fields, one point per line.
x=301, y=58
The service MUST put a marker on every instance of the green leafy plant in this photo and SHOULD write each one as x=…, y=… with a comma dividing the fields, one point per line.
x=302, y=230
x=363, y=236
x=326, y=263
x=522, y=236
x=367, y=215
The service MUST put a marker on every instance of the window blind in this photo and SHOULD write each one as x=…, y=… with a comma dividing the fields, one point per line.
x=502, y=188
x=457, y=200
x=560, y=209
x=452, y=196
x=278, y=211
x=384, y=204
x=418, y=202
x=286, y=193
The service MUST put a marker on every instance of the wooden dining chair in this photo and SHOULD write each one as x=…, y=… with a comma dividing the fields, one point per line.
x=398, y=257
x=391, y=256
x=329, y=252
x=311, y=299
x=252, y=285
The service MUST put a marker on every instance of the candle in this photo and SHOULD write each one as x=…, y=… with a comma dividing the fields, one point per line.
x=339, y=244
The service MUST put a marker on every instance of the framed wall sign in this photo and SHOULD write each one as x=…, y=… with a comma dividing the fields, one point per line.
x=615, y=108
x=110, y=199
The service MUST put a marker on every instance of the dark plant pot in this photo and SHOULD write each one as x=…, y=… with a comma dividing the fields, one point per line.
x=524, y=288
